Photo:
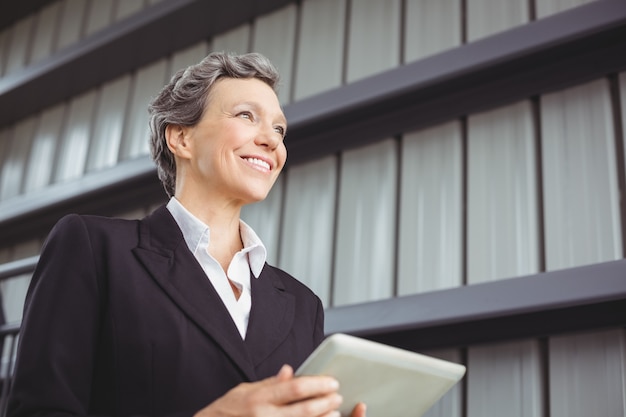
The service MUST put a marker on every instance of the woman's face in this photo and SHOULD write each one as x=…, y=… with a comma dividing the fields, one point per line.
x=237, y=148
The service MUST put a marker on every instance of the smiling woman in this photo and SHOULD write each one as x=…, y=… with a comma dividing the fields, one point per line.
x=235, y=153
x=179, y=313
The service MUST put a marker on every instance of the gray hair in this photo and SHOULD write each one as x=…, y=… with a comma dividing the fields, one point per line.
x=183, y=100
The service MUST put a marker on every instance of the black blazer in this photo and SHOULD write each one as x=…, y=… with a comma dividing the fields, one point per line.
x=121, y=320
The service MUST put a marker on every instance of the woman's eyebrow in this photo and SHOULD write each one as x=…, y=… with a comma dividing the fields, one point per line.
x=255, y=106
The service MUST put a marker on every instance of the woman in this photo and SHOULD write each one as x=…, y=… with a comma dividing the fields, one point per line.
x=177, y=313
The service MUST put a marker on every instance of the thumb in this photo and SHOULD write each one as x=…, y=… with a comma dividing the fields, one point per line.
x=285, y=373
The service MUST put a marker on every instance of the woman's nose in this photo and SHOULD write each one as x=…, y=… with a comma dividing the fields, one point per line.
x=267, y=136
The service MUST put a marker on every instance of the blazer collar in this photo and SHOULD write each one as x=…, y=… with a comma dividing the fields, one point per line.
x=165, y=255
x=271, y=316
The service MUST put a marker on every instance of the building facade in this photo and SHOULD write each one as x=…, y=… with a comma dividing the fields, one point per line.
x=454, y=181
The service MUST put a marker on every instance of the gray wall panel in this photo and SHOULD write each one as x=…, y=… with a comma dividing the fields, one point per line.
x=236, y=40
x=126, y=8
x=111, y=110
x=587, y=374
x=16, y=159
x=148, y=81
x=431, y=26
x=373, y=39
x=46, y=27
x=4, y=44
x=43, y=149
x=308, y=224
x=548, y=7
x=99, y=15
x=502, y=211
x=274, y=36
x=430, y=240
x=265, y=218
x=19, y=40
x=188, y=56
x=320, y=52
x=71, y=23
x=505, y=380
x=365, y=252
x=581, y=196
x=71, y=156
x=14, y=290
x=486, y=17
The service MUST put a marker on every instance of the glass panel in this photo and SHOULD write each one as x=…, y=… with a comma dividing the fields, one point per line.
x=502, y=213
x=308, y=224
x=366, y=224
x=72, y=17
x=264, y=217
x=18, y=44
x=320, y=49
x=581, y=194
x=15, y=162
x=486, y=17
x=622, y=94
x=14, y=289
x=274, y=36
x=188, y=56
x=72, y=153
x=431, y=26
x=505, y=380
x=127, y=8
x=548, y=7
x=430, y=241
x=587, y=374
x=234, y=41
x=374, y=38
x=99, y=16
x=45, y=29
x=148, y=82
x=109, y=124
x=45, y=142
x=4, y=45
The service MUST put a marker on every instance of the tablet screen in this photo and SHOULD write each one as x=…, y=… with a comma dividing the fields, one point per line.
x=391, y=381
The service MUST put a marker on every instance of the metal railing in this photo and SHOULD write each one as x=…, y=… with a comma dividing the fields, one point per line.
x=9, y=335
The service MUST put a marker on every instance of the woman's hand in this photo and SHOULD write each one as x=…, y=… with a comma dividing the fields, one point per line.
x=358, y=411
x=281, y=396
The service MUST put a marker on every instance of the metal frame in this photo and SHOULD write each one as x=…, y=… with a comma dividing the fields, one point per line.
x=568, y=300
x=573, y=299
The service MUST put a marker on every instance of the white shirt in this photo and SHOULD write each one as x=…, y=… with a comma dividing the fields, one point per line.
x=251, y=258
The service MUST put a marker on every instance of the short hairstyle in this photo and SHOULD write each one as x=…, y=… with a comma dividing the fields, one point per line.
x=183, y=101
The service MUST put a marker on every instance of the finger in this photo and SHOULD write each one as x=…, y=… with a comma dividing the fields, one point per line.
x=285, y=373
x=326, y=405
x=359, y=410
x=302, y=388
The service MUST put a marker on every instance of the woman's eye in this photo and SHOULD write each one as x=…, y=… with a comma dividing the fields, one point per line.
x=280, y=130
x=245, y=115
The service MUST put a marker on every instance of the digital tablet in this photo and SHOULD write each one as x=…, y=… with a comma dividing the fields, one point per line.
x=392, y=382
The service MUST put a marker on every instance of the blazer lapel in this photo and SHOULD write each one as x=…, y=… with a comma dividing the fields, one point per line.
x=163, y=252
x=271, y=315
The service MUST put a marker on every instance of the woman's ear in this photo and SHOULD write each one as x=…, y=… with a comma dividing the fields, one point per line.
x=178, y=140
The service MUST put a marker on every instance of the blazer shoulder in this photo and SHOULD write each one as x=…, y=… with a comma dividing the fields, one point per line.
x=290, y=282
x=98, y=228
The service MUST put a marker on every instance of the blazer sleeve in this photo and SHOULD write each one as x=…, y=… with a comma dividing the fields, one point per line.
x=60, y=331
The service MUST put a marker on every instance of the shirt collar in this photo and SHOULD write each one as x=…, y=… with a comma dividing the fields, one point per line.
x=197, y=235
